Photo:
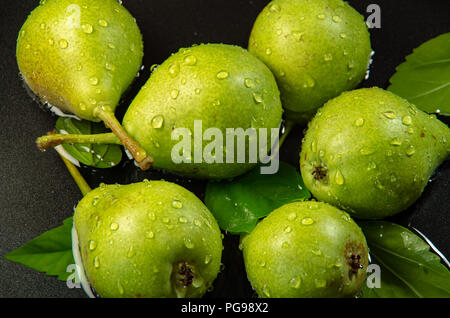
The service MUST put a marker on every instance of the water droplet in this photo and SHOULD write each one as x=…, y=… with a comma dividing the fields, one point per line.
x=103, y=23
x=410, y=151
x=292, y=216
x=92, y=245
x=87, y=28
x=328, y=57
x=339, y=178
x=93, y=81
x=249, y=83
x=275, y=8
x=257, y=97
x=298, y=36
x=198, y=223
x=114, y=226
x=96, y=262
x=321, y=16
x=182, y=219
x=307, y=221
x=190, y=60
x=157, y=121
x=222, y=75
x=111, y=45
x=177, y=204
x=410, y=131
x=63, y=43
x=393, y=178
x=42, y=26
x=313, y=146
x=343, y=35
x=120, y=288
x=152, y=216
x=188, y=243
x=198, y=91
x=174, y=93
x=165, y=220
x=379, y=185
x=351, y=64
x=208, y=259
x=174, y=70
x=309, y=83
x=131, y=252
x=150, y=235
x=285, y=244
x=262, y=263
x=336, y=19
x=295, y=282
x=320, y=283
x=266, y=291
x=346, y=218
x=268, y=51
x=407, y=120
x=316, y=252
x=216, y=103
x=359, y=122
x=389, y=115
x=396, y=142
x=288, y=229
x=50, y=41
x=110, y=67
x=372, y=165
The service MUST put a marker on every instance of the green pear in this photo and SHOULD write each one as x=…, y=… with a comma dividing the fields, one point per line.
x=371, y=152
x=306, y=249
x=81, y=56
x=149, y=239
x=223, y=86
x=316, y=49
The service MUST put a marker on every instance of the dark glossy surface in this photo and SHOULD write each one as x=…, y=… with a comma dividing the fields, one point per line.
x=37, y=193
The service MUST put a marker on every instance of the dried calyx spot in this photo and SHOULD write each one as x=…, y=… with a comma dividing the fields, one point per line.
x=185, y=274
x=355, y=264
x=319, y=173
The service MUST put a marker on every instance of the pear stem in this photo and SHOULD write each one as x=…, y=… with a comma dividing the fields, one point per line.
x=139, y=154
x=52, y=140
x=77, y=177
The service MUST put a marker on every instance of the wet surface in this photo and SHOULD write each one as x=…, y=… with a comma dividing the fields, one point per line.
x=37, y=193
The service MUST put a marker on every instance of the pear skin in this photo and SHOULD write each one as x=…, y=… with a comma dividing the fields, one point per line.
x=81, y=56
x=316, y=49
x=151, y=239
x=306, y=249
x=224, y=86
x=371, y=152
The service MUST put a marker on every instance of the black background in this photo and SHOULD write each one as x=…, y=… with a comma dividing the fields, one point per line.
x=37, y=193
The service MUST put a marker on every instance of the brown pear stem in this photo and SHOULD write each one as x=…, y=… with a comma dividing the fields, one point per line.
x=51, y=140
x=139, y=154
x=77, y=177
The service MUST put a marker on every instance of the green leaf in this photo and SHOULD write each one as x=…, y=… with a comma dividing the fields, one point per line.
x=424, y=79
x=239, y=204
x=408, y=267
x=51, y=252
x=94, y=155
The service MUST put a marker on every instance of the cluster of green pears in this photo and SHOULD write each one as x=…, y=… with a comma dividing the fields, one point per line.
x=367, y=151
